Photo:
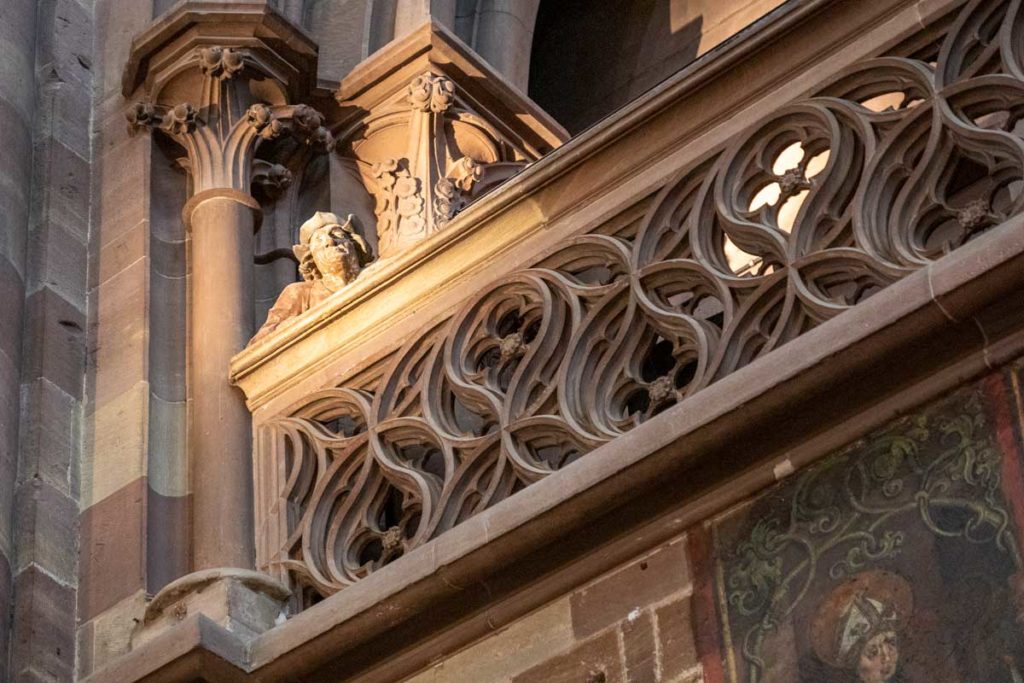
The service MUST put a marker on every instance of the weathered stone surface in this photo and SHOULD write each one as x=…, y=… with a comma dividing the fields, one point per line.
x=56, y=329
x=119, y=341
x=12, y=296
x=168, y=257
x=675, y=633
x=6, y=599
x=121, y=252
x=243, y=602
x=50, y=436
x=58, y=263
x=65, y=41
x=9, y=419
x=46, y=533
x=533, y=639
x=167, y=468
x=17, y=40
x=113, y=547
x=108, y=634
x=15, y=167
x=639, y=649
x=116, y=435
x=44, y=628
x=168, y=551
x=645, y=581
x=168, y=336
x=594, y=661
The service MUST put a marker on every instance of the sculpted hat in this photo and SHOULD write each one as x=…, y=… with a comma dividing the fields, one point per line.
x=326, y=219
x=319, y=220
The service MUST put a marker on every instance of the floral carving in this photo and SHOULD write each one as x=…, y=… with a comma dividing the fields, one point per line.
x=822, y=204
x=180, y=119
x=431, y=156
x=220, y=62
x=431, y=93
x=220, y=145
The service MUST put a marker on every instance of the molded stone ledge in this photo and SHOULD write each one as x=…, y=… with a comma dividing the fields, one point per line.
x=198, y=24
x=243, y=602
x=433, y=48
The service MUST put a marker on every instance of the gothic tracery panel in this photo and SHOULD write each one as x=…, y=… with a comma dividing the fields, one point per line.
x=824, y=203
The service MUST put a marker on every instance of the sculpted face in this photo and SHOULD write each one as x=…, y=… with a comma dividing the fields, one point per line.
x=335, y=254
x=878, y=658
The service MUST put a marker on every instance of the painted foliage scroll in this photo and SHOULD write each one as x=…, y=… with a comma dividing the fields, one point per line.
x=898, y=558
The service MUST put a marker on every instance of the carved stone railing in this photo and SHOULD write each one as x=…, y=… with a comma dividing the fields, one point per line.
x=892, y=163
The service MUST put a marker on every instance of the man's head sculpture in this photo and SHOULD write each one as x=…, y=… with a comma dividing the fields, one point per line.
x=331, y=254
x=330, y=250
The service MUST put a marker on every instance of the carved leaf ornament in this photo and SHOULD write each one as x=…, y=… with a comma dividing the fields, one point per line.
x=827, y=201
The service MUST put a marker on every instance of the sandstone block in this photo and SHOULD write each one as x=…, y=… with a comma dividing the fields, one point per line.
x=43, y=628
x=56, y=349
x=116, y=442
x=113, y=550
x=595, y=661
x=119, y=336
x=675, y=631
x=639, y=649
x=643, y=582
x=46, y=531
x=58, y=262
x=50, y=431
x=12, y=302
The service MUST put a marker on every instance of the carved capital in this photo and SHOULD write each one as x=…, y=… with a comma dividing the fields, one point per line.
x=222, y=134
x=274, y=179
x=221, y=84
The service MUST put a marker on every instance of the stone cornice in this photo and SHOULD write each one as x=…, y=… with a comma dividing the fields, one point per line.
x=285, y=47
x=433, y=48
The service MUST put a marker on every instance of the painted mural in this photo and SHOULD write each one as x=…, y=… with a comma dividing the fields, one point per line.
x=896, y=559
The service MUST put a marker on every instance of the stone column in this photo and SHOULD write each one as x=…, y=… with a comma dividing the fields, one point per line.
x=220, y=137
x=223, y=99
x=222, y=222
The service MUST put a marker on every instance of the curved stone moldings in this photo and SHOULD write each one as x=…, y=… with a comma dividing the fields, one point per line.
x=813, y=210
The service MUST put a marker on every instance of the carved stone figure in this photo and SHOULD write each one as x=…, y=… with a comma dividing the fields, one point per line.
x=331, y=254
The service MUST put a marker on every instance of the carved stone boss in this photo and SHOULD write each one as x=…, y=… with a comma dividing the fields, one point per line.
x=240, y=104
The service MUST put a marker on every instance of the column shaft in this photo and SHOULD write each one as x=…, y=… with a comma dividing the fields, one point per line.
x=222, y=224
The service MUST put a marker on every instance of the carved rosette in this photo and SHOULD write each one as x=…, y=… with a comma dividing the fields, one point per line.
x=424, y=156
x=221, y=133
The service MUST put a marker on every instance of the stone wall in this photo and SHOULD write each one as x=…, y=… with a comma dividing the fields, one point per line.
x=17, y=107
x=46, y=95
x=632, y=624
x=116, y=476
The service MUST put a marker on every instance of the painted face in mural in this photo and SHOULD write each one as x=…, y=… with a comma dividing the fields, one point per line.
x=857, y=625
x=878, y=658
